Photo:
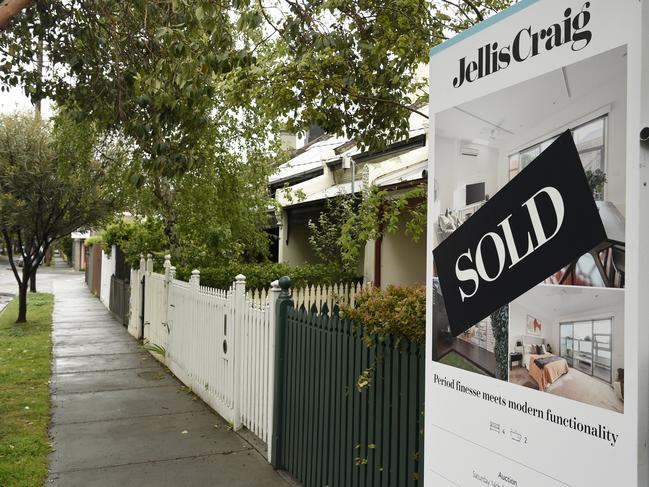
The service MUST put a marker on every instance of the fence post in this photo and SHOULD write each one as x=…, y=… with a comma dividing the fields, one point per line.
x=273, y=296
x=239, y=310
x=141, y=292
x=284, y=302
x=195, y=280
x=149, y=263
x=167, y=290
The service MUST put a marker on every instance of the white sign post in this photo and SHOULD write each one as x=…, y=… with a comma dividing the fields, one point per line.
x=551, y=389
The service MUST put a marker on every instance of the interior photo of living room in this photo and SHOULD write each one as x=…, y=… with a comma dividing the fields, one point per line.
x=481, y=145
x=569, y=341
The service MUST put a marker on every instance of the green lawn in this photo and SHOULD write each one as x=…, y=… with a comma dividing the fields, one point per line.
x=456, y=360
x=25, y=362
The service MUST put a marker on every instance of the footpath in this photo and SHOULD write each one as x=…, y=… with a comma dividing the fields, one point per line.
x=119, y=419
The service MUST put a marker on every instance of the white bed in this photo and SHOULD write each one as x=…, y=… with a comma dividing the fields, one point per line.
x=527, y=341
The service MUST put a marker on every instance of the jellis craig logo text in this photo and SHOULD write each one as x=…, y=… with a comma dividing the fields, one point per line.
x=527, y=44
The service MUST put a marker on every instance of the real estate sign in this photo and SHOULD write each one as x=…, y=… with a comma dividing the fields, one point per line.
x=537, y=340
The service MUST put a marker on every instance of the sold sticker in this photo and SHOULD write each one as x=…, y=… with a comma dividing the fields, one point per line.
x=542, y=220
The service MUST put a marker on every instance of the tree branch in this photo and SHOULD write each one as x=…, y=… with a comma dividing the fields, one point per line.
x=9, y=8
x=10, y=254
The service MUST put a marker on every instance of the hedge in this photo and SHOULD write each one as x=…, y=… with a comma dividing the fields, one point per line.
x=260, y=276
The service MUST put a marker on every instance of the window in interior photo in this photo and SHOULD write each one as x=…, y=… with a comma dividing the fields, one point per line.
x=590, y=139
x=586, y=346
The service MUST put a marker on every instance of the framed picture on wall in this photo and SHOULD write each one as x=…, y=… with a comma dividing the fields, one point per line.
x=534, y=326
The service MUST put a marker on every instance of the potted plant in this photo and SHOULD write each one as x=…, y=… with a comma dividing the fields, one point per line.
x=596, y=181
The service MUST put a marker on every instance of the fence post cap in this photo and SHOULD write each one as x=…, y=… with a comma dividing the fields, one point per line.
x=285, y=283
x=167, y=262
x=196, y=272
x=275, y=284
x=240, y=278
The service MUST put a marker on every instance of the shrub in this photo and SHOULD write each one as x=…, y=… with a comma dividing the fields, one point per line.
x=135, y=238
x=260, y=276
x=396, y=310
x=94, y=240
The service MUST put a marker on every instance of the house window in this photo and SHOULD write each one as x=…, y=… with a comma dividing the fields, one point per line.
x=590, y=139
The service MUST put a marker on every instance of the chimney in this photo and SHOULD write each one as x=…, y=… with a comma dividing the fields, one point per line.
x=288, y=140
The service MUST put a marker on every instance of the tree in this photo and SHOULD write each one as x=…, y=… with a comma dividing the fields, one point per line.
x=155, y=68
x=50, y=185
x=354, y=67
x=168, y=75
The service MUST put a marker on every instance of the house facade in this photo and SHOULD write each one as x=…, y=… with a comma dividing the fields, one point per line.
x=330, y=166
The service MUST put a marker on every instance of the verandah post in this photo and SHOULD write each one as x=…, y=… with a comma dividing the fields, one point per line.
x=237, y=333
x=284, y=303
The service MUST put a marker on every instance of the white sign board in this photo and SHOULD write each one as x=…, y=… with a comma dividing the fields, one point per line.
x=550, y=389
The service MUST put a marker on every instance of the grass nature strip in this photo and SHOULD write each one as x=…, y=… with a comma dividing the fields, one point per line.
x=25, y=371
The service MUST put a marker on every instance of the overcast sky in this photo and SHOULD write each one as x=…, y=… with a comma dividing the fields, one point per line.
x=15, y=100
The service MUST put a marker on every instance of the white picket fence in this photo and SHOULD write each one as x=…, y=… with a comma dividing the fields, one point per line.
x=317, y=295
x=220, y=343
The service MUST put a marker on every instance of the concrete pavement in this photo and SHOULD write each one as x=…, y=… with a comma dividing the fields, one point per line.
x=119, y=419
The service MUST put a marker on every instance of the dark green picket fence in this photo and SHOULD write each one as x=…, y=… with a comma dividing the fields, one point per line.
x=327, y=433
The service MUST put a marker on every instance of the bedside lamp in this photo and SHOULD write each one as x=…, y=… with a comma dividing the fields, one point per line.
x=519, y=346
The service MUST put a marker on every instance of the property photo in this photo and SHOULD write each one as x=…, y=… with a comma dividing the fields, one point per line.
x=474, y=350
x=569, y=341
x=482, y=145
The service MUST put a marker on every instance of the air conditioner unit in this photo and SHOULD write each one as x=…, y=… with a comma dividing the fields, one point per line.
x=469, y=151
x=347, y=161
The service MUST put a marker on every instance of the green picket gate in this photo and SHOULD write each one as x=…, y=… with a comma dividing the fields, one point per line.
x=327, y=432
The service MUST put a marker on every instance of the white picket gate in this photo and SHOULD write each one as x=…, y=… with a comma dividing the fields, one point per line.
x=218, y=342
x=155, y=307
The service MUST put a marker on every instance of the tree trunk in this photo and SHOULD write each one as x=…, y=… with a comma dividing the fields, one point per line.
x=22, y=303
x=32, y=283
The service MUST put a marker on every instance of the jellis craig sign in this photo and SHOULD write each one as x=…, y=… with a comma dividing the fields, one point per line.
x=527, y=44
x=540, y=222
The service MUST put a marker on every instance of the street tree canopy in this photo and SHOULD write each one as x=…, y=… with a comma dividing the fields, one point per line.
x=156, y=69
x=50, y=185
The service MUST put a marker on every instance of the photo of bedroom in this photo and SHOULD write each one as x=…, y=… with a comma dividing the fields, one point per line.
x=569, y=341
x=483, y=144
